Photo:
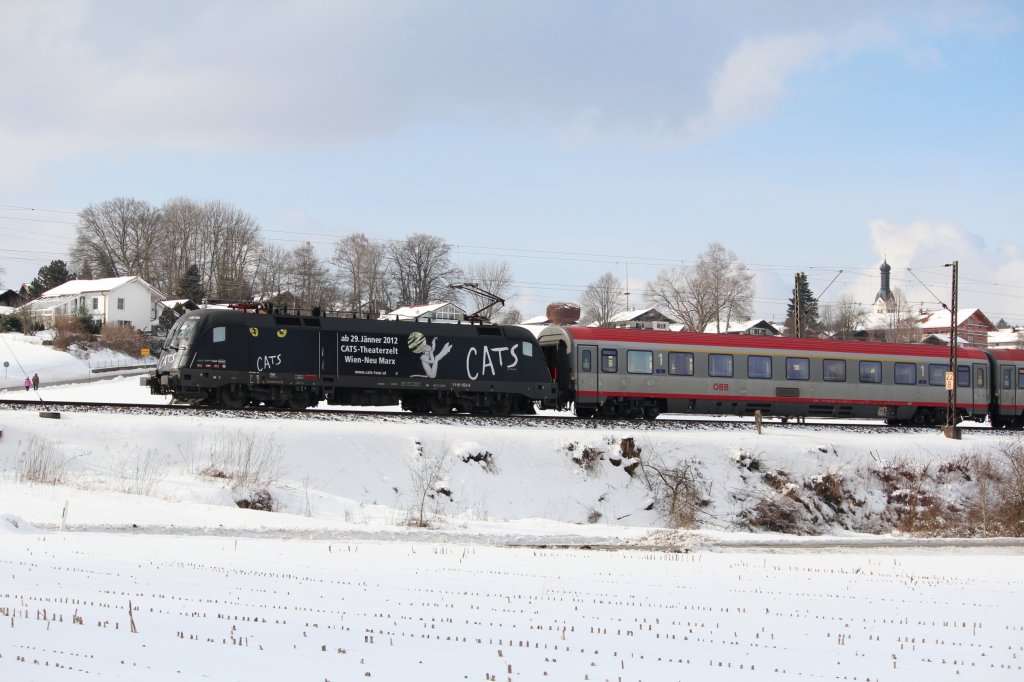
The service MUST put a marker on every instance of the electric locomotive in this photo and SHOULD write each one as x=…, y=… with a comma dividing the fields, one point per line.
x=231, y=358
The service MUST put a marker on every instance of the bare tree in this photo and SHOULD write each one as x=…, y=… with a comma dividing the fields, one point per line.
x=679, y=489
x=844, y=318
x=494, y=277
x=510, y=316
x=901, y=322
x=182, y=222
x=716, y=290
x=602, y=300
x=231, y=249
x=422, y=268
x=130, y=237
x=427, y=473
x=363, y=273
x=269, y=273
x=117, y=238
x=309, y=279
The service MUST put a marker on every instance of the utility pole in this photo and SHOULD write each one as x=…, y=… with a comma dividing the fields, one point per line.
x=951, y=430
x=627, y=286
x=798, y=326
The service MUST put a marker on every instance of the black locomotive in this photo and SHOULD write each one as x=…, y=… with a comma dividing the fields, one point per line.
x=232, y=358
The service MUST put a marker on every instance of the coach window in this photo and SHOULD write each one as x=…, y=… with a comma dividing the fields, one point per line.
x=586, y=361
x=759, y=367
x=719, y=365
x=680, y=364
x=639, y=362
x=798, y=369
x=963, y=376
x=870, y=372
x=609, y=360
x=219, y=334
x=833, y=370
x=905, y=373
x=937, y=375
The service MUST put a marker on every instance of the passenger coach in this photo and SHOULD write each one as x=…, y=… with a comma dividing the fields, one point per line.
x=640, y=373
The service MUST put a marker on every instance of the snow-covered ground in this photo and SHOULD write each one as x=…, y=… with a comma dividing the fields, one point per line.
x=334, y=585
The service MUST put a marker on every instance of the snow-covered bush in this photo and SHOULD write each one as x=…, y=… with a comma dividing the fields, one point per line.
x=42, y=461
x=249, y=463
x=123, y=339
x=679, y=489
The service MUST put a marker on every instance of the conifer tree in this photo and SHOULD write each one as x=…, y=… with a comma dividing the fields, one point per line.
x=190, y=285
x=802, y=311
x=50, y=276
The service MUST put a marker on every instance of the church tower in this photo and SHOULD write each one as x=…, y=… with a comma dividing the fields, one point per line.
x=884, y=297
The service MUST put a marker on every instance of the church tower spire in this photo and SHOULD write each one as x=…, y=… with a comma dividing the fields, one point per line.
x=884, y=298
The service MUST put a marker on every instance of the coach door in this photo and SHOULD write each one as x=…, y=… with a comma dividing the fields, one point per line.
x=1007, y=389
x=979, y=388
x=586, y=373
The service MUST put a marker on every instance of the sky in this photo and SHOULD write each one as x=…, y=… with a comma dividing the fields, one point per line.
x=567, y=138
x=334, y=585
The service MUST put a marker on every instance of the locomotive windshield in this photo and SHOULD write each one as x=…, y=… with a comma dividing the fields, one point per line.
x=180, y=334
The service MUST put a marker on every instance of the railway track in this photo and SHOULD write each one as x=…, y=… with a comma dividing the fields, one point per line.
x=536, y=421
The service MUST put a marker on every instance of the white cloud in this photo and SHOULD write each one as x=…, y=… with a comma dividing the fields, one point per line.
x=753, y=79
x=991, y=277
x=923, y=242
x=216, y=75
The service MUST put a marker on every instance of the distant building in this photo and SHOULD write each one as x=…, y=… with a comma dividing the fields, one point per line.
x=971, y=325
x=185, y=303
x=1011, y=337
x=759, y=327
x=645, y=318
x=279, y=300
x=127, y=301
x=13, y=299
x=438, y=312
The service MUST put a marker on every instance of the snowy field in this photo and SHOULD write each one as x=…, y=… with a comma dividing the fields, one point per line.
x=335, y=585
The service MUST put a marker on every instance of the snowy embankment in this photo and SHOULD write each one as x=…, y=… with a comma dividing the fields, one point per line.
x=358, y=476
x=334, y=584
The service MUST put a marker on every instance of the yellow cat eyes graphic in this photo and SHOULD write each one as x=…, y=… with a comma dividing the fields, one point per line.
x=281, y=333
x=254, y=331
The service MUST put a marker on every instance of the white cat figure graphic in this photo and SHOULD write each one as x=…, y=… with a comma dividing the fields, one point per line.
x=429, y=355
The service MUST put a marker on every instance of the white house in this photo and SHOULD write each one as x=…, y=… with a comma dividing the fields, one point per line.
x=114, y=300
x=644, y=318
x=758, y=327
x=1012, y=337
x=437, y=312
